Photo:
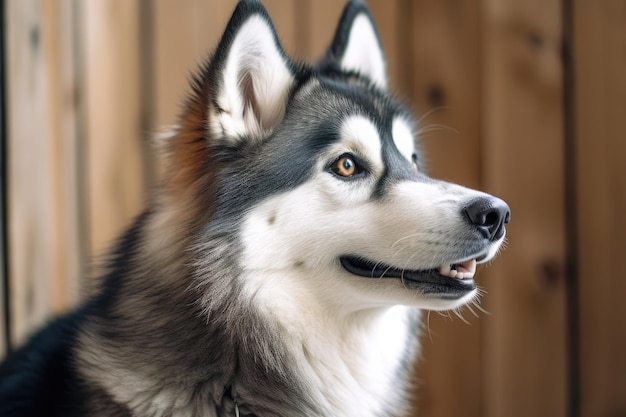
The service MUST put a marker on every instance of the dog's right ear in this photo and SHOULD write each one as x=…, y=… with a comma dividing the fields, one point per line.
x=251, y=78
x=356, y=46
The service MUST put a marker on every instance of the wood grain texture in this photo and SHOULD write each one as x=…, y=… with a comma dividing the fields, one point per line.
x=444, y=63
x=185, y=35
x=388, y=19
x=318, y=19
x=176, y=54
x=283, y=15
x=491, y=73
x=41, y=155
x=525, y=341
x=62, y=111
x=30, y=221
x=114, y=163
x=4, y=273
x=600, y=101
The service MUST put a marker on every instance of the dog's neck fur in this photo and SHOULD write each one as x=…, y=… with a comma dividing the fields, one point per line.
x=346, y=363
x=175, y=357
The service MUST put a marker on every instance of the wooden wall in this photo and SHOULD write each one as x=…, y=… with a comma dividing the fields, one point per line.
x=522, y=98
x=599, y=42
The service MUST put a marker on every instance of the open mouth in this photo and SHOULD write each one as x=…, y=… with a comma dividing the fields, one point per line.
x=451, y=280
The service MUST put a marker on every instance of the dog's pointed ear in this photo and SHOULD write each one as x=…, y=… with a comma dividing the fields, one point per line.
x=251, y=78
x=356, y=46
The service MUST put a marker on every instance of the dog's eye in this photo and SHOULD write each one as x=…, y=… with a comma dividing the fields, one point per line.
x=345, y=166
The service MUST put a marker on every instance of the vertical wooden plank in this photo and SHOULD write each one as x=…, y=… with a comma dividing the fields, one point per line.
x=318, y=18
x=209, y=23
x=30, y=205
x=445, y=68
x=446, y=91
x=113, y=117
x=36, y=258
x=387, y=16
x=43, y=243
x=175, y=27
x=525, y=347
x=283, y=14
x=223, y=10
x=4, y=275
x=600, y=100
x=185, y=35
x=58, y=34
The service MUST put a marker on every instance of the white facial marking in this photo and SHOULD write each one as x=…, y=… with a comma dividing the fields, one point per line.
x=417, y=227
x=363, y=53
x=403, y=138
x=334, y=323
x=359, y=135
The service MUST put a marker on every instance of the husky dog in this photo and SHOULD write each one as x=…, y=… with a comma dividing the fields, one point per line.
x=284, y=258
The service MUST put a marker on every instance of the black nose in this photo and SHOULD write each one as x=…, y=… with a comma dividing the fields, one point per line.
x=489, y=215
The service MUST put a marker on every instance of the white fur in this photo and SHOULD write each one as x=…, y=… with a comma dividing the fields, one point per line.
x=403, y=137
x=360, y=136
x=338, y=219
x=405, y=230
x=343, y=328
x=253, y=55
x=346, y=359
x=141, y=393
x=363, y=53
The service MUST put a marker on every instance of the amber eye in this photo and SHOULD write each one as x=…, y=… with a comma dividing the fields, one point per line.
x=345, y=166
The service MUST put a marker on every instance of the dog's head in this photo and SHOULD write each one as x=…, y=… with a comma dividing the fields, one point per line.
x=309, y=180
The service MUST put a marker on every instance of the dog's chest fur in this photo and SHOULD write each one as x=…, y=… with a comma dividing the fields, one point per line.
x=317, y=365
x=353, y=365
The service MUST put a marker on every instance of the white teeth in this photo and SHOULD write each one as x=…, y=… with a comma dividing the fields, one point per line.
x=470, y=266
x=465, y=270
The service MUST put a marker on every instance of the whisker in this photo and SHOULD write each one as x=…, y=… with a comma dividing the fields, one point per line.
x=435, y=127
x=469, y=307
x=428, y=113
x=430, y=335
x=445, y=314
x=479, y=307
x=482, y=310
x=374, y=268
x=457, y=313
x=404, y=238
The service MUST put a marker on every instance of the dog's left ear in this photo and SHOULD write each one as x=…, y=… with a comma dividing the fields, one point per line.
x=251, y=78
x=356, y=46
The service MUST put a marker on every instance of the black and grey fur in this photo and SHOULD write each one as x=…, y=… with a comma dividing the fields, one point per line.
x=259, y=280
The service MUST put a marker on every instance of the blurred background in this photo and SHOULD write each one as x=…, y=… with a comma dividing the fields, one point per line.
x=525, y=99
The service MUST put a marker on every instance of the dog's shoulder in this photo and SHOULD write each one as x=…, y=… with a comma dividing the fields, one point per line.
x=38, y=379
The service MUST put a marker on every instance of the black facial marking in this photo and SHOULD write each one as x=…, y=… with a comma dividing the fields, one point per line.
x=283, y=162
x=397, y=168
x=319, y=105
